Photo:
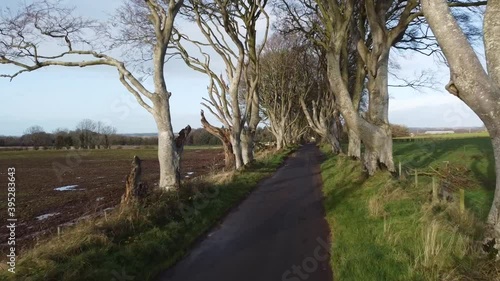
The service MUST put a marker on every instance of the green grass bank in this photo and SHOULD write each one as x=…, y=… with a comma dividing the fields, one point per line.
x=386, y=228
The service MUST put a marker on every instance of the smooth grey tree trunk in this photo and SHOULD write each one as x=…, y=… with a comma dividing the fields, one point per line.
x=469, y=81
x=249, y=132
x=168, y=158
x=278, y=134
x=354, y=146
x=378, y=149
x=168, y=155
x=494, y=214
x=238, y=156
x=246, y=147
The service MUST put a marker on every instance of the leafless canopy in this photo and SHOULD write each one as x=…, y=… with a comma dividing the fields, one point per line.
x=47, y=33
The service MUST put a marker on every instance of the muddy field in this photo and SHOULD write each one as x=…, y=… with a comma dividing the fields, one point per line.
x=57, y=188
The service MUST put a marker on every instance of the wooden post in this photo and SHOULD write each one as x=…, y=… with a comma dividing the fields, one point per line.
x=58, y=231
x=462, y=200
x=416, y=178
x=435, y=197
x=400, y=169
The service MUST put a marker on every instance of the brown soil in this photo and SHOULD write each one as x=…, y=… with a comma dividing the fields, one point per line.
x=100, y=176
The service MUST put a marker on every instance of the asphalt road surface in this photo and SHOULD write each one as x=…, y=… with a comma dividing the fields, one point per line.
x=278, y=233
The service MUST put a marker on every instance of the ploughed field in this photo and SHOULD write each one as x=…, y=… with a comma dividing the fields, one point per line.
x=58, y=188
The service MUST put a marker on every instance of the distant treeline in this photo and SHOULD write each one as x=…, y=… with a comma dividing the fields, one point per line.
x=202, y=137
x=89, y=134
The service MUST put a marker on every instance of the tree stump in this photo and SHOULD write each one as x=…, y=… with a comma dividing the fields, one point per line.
x=134, y=188
x=180, y=141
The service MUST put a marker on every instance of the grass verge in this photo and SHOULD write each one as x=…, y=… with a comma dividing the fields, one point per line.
x=137, y=243
x=387, y=229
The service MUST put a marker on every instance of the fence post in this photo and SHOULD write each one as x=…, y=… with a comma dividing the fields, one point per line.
x=58, y=231
x=416, y=178
x=435, y=198
x=462, y=200
x=399, y=169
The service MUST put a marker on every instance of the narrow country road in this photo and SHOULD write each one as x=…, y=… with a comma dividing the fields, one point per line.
x=277, y=234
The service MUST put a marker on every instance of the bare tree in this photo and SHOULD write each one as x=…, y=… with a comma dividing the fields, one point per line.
x=34, y=129
x=357, y=37
x=328, y=24
x=87, y=133
x=324, y=120
x=229, y=30
x=36, y=136
x=252, y=74
x=103, y=134
x=282, y=84
x=479, y=88
x=142, y=27
x=390, y=24
x=60, y=134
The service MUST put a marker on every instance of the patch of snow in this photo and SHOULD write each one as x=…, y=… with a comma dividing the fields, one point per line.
x=45, y=216
x=190, y=173
x=68, y=188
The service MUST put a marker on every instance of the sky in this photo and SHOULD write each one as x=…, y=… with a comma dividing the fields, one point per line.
x=58, y=97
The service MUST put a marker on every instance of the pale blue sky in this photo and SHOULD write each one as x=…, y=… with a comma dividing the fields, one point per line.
x=60, y=97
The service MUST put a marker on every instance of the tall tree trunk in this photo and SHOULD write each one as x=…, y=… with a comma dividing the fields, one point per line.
x=247, y=144
x=378, y=149
x=280, y=139
x=494, y=214
x=469, y=81
x=169, y=148
x=248, y=134
x=238, y=154
x=167, y=158
x=491, y=38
